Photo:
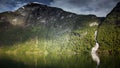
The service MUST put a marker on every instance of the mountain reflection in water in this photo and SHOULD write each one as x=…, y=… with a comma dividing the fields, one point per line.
x=56, y=61
x=45, y=61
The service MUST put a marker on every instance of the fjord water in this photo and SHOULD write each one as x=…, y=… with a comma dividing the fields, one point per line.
x=56, y=61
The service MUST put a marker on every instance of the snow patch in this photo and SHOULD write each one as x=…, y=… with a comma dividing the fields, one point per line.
x=93, y=24
x=23, y=7
x=38, y=3
x=14, y=20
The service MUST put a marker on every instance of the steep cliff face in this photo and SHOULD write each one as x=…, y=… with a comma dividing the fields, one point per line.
x=109, y=32
x=40, y=28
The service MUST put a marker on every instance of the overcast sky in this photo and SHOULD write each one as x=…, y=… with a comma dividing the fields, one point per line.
x=96, y=7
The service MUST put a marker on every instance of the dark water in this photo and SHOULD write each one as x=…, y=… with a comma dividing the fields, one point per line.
x=56, y=61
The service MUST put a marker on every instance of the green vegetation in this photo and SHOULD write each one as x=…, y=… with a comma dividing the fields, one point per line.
x=109, y=39
x=109, y=32
x=83, y=40
x=50, y=39
x=31, y=30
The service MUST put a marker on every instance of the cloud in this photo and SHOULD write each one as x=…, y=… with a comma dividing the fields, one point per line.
x=10, y=5
x=97, y=7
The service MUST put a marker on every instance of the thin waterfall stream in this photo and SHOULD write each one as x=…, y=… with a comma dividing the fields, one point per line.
x=94, y=51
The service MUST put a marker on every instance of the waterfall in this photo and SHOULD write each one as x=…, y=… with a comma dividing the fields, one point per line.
x=94, y=49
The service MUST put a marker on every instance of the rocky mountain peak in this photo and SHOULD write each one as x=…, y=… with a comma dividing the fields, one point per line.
x=116, y=10
x=118, y=5
x=38, y=8
x=113, y=16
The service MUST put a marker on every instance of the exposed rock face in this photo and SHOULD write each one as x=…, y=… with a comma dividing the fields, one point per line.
x=49, y=29
x=109, y=32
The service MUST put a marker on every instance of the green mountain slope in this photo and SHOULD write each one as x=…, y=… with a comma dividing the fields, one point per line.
x=36, y=28
x=109, y=32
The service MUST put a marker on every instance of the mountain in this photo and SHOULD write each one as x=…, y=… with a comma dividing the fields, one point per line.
x=43, y=29
x=109, y=32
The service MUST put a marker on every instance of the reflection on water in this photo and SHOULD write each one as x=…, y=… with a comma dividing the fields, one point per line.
x=45, y=61
x=96, y=59
x=55, y=61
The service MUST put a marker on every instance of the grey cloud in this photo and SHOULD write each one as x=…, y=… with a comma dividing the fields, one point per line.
x=10, y=5
x=97, y=7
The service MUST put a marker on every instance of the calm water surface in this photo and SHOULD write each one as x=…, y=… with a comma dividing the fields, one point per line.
x=57, y=61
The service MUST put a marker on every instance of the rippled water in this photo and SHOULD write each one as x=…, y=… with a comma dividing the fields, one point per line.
x=56, y=61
